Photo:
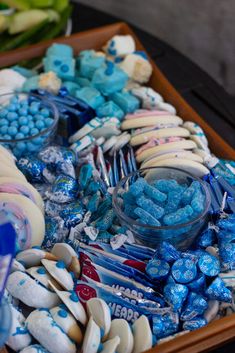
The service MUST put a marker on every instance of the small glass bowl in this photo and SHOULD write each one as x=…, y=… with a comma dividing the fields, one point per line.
x=34, y=143
x=181, y=235
x=5, y=321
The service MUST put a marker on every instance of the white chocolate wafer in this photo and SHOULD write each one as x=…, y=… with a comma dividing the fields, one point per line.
x=111, y=345
x=152, y=120
x=11, y=171
x=99, y=310
x=142, y=333
x=42, y=276
x=58, y=271
x=145, y=137
x=121, y=328
x=33, y=257
x=67, y=254
x=181, y=154
x=92, y=338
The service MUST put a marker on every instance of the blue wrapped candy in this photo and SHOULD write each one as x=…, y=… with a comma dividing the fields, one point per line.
x=72, y=214
x=218, y=291
x=32, y=168
x=64, y=189
x=167, y=252
x=165, y=324
x=175, y=295
x=199, y=284
x=184, y=270
x=157, y=269
x=195, y=306
x=85, y=175
x=209, y=265
x=195, y=323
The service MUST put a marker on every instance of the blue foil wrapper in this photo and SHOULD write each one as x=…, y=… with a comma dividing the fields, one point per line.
x=157, y=269
x=165, y=324
x=227, y=255
x=167, y=252
x=199, y=284
x=175, y=295
x=184, y=270
x=195, y=323
x=64, y=189
x=32, y=168
x=207, y=237
x=209, y=265
x=218, y=291
x=85, y=176
x=195, y=306
x=72, y=214
x=54, y=232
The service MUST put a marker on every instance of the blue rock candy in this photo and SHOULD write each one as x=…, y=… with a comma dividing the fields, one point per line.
x=137, y=187
x=157, y=269
x=173, y=201
x=85, y=175
x=195, y=323
x=165, y=185
x=198, y=201
x=154, y=193
x=175, y=295
x=184, y=270
x=178, y=217
x=146, y=217
x=218, y=291
x=150, y=207
x=209, y=265
x=196, y=305
x=165, y=324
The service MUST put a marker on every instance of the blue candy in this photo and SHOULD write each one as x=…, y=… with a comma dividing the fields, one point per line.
x=91, y=96
x=85, y=175
x=195, y=306
x=154, y=193
x=209, y=265
x=137, y=187
x=109, y=108
x=126, y=101
x=146, y=218
x=184, y=270
x=180, y=216
x=175, y=295
x=150, y=207
x=195, y=323
x=218, y=291
x=165, y=324
x=157, y=269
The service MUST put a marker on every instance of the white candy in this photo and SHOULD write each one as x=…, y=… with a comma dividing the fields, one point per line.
x=44, y=329
x=111, y=345
x=92, y=338
x=212, y=310
x=21, y=286
x=137, y=68
x=120, y=45
x=42, y=277
x=67, y=254
x=16, y=266
x=50, y=82
x=99, y=310
x=11, y=79
x=142, y=333
x=67, y=322
x=35, y=348
x=33, y=257
x=19, y=336
x=121, y=328
x=61, y=275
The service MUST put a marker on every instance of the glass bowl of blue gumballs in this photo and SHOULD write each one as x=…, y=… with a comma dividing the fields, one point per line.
x=28, y=123
x=162, y=204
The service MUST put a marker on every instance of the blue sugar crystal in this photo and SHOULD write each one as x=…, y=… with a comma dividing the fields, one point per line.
x=150, y=207
x=154, y=193
x=189, y=192
x=165, y=324
x=109, y=108
x=173, y=201
x=209, y=265
x=178, y=217
x=85, y=175
x=175, y=295
x=167, y=252
x=165, y=185
x=106, y=221
x=91, y=96
x=199, y=284
x=195, y=323
x=128, y=198
x=218, y=291
x=93, y=203
x=184, y=270
x=146, y=217
x=137, y=187
x=126, y=101
x=195, y=306
x=198, y=201
x=157, y=269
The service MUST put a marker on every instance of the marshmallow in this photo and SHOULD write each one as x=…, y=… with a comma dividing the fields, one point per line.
x=120, y=45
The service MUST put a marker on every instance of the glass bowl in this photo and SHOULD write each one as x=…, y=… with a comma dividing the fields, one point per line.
x=36, y=140
x=5, y=321
x=180, y=235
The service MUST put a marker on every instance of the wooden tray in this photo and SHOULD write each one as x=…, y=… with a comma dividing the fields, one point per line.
x=218, y=332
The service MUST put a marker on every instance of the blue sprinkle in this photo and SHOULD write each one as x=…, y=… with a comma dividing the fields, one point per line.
x=41, y=271
x=74, y=297
x=62, y=313
x=60, y=264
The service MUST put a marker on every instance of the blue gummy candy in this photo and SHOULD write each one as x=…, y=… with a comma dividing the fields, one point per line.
x=146, y=218
x=178, y=217
x=189, y=192
x=198, y=201
x=154, y=193
x=150, y=207
x=137, y=187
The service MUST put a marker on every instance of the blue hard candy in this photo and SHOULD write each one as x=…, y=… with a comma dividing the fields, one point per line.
x=175, y=295
x=184, y=270
x=209, y=265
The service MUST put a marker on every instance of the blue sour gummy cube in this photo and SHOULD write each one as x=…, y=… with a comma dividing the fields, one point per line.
x=91, y=96
x=126, y=101
x=88, y=61
x=72, y=87
x=165, y=185
x=198, y=201
x=109, y=108
x=189, y=192
x=165, y=324
x=60, y=50
x=63, y=66
x=109, y=79
x=180, y=216
x=150, y=207
x=146, y=217
x=137, y=187
x=173, y=201
x=154, y=193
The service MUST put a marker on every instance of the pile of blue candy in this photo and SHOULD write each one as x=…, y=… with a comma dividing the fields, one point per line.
x=191, y=286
